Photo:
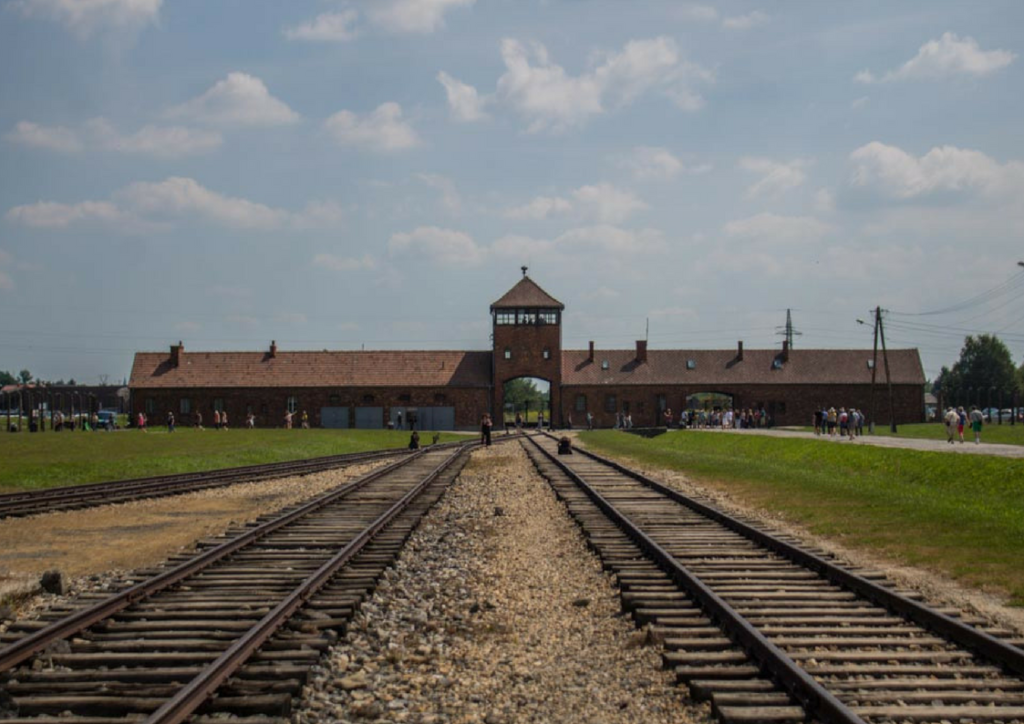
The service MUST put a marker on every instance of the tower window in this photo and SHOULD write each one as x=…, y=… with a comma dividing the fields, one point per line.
x=508, y=353
x=505, y=317
x=548, y=316
x=527, y=316
x=546, y=353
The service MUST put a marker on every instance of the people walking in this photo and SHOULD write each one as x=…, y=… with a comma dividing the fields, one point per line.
x=963, y=422
x=977, y=421
x=952, y=421
x=170, y=422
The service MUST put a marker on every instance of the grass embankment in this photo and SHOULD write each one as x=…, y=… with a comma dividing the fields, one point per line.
x=1005, y=434
x=962, y=515
x=44, y=460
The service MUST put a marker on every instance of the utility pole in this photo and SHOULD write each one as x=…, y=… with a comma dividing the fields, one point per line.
x=874, y=368
x=888, y=378
x=788, y=332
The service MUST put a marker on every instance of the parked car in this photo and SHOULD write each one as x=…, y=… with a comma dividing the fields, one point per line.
x=993, y=414
x=107, y=420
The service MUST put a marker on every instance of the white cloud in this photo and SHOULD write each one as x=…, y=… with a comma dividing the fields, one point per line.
x=412, y=16
x=607, y=204
x=772, y=228
x=450, y=198
x=177, y=196
x=152, y=206
x=947, y=57
x=326, y=27
x=55, y=138
x=541, y=207
x=897, y=174
x=157, y=141
x=824, y=201
x=603, y=203
x=54, y=215
x=443, y=247
x=382, y=130
x=745, y=22
x=777, y=177
x=700, y=13
x=859, y=103
x=647, y=162
x=550, y=99
x=465, y=103
x=87, y=16
x=238, y=100
x=596, y=242
x=336, y=263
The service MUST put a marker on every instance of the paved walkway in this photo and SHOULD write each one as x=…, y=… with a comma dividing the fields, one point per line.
x=967, y=448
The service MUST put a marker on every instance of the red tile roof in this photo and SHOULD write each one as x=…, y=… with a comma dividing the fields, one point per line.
x=720, y=367
x=313, y=369
x=527, y=293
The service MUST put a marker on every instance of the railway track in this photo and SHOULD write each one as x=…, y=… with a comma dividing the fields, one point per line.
x=770, y=631
x=120, y=491
x=232, y=629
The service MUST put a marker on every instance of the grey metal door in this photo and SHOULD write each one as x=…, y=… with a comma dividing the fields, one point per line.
x=369, y=418
x=334, y=417
x=437, y=418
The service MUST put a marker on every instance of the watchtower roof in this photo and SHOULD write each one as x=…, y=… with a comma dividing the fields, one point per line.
x=526, y=293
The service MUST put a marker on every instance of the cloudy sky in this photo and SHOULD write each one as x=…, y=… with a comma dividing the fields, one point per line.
x=340, y=174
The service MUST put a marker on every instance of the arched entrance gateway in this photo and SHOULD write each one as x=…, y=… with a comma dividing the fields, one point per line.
x=527, y=350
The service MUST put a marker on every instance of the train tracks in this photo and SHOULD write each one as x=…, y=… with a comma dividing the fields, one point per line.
x=232, y=629
x=770, y=631
x=120, y=491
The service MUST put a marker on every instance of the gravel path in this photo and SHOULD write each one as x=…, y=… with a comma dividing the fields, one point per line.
x=498, y=613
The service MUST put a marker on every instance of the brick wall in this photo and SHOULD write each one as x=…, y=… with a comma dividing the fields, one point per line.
x=791, y=404
x=269, y=404
x=527, y=344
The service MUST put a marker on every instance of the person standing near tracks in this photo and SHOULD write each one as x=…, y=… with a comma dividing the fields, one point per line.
x=398, y=421
x=485, y=430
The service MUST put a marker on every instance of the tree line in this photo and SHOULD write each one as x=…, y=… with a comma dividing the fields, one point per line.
x=985, y=367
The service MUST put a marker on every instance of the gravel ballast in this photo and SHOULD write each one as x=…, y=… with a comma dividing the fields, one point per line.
x=495, y=612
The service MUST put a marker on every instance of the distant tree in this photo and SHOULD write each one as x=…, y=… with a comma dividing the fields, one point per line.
x=985, y=362
x=944, y=378
x=6, y=378
x=25, y=376
x=524, y=390
x=72, y=382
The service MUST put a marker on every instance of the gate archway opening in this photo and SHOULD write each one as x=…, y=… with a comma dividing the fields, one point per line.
x=710, y=401
x=528, y=397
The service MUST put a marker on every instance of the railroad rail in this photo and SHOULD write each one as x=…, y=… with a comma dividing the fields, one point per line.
x=772, y=631
x=232, y=629
x=119, y=491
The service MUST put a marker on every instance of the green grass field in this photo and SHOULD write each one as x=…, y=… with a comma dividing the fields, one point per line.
x=1005, y=434
x=50, y=459
x=962, y=515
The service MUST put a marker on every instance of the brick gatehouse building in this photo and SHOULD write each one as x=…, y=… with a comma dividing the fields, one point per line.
x=452, y=390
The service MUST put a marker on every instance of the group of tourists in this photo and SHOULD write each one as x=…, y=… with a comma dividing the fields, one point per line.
x=956, y=418
x=841, y=423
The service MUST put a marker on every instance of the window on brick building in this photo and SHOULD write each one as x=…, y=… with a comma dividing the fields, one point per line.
x=547, y=353
x=264, y=409
x=218, y=404
x=150, y=406
x=581, y=403
x=505, y=318
x=367, y=398
x=611, y=403
x=334, y=400
x=405, y=398
x=293, y=403
x=527, y=316
x=548, y=316
x=508, y=353
x=185, y=405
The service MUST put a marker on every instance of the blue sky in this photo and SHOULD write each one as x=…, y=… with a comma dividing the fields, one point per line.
x=340, y=175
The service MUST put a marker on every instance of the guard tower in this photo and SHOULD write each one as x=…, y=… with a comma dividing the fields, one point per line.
x=527, y=333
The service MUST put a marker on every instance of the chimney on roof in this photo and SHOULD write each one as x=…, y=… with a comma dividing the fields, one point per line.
x=273, y=349
x=739, y=351
x=591, y=357
x=641, y=350
x=785, y=350
x=177, y=352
